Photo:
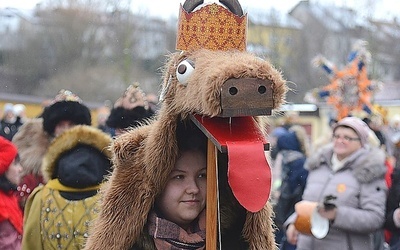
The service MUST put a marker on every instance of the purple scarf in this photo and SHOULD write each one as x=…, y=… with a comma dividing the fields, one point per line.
x=169, y=236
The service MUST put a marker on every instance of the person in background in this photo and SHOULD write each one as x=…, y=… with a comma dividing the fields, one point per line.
x=276, y=162
x=392, y=133
x=32, y=143
x=347, y=179
x=58, y=215
x=10, y=213
x=396, y=153
x=392, y=222
x=130, y=110
x=153, y=101
x=66, y=111
x=375, y=123
x=289, y=119
x=19, y=111
x=103, y=113
x=34, y=136
x=293, y=146
x=7, y=123
x=377, y=138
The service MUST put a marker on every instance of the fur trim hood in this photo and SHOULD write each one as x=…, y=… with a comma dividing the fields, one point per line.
x=71, y=138
x=32, y=143
x=367, y=163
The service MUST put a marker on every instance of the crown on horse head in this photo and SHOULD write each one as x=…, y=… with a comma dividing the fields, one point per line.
x=212, y=26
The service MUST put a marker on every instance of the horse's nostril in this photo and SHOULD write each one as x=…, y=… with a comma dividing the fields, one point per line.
x=233, y=90
x=262, y=89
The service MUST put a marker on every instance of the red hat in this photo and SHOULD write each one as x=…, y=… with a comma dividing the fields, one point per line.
x=8, y=152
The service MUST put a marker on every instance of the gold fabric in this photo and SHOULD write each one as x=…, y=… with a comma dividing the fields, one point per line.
x=211, y=27
x=65, y=223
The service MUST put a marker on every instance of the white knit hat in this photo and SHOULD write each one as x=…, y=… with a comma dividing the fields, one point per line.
x=360, y=127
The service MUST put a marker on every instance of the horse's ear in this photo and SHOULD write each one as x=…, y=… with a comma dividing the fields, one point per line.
x=190, y=5
x=233, y=5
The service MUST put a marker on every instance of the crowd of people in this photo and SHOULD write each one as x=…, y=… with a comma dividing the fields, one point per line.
x=351, y=177
x=53, y=167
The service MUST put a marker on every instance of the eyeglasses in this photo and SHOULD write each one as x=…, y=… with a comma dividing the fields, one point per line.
x=345, y=138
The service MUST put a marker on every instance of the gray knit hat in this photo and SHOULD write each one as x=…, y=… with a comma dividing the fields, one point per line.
x=360, y=127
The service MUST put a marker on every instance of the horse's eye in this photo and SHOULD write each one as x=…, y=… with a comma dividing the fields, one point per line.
x=184, y=71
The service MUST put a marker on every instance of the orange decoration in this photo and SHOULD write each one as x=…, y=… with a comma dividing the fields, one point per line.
x=349, y=90
x=341, y=188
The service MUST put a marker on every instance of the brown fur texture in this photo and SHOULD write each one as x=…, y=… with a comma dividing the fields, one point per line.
x=144, y=157
x=32, y=143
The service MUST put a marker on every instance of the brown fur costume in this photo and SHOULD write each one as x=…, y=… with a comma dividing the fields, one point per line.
x=144, y=157
x=32, y=143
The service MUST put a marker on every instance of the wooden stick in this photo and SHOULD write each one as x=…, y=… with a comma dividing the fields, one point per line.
x=212, y=203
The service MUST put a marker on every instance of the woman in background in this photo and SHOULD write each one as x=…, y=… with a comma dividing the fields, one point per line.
x=10, y=212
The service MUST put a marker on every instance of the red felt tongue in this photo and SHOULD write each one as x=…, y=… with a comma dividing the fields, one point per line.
x=249, y=174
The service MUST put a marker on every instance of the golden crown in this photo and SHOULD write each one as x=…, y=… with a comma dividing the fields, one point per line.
x=66, y=95
x=211, y=27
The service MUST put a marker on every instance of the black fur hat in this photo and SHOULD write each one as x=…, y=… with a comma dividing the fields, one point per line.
x=123, y=118
x=67, y=106
x=130, y=109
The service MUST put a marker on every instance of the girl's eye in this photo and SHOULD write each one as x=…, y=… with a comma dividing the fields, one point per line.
x=203, y=175
x=178, y=177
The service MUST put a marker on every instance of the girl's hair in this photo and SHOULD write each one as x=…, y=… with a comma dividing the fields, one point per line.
x=190, y=137
x=5, y=184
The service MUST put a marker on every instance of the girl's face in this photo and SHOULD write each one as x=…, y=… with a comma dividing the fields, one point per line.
x=345, y=141
x=184, y=196
x=13, y=173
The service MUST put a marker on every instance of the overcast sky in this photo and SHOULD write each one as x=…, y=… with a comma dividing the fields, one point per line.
x=166, y=8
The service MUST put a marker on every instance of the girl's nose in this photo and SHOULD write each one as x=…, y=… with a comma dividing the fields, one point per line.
x=192, y=187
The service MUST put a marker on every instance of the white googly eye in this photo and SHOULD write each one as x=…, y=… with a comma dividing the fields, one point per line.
x=184, y=71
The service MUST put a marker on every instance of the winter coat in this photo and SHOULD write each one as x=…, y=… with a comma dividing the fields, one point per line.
x=294, y=175
x=32, y=143
x=360, y=189
x=59, y=214
x=393, y=202
x=7, y=129
x=10, y=222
